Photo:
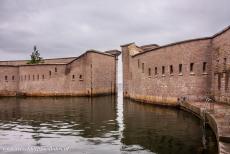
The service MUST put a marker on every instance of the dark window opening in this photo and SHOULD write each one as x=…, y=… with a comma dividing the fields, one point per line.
x=55, y=69
x=73, y=77
x=149, y=72
x=6, y=78
x=43, y=76
x=225, y=61
x=204, y=66
x=180, y=68
x=155, y=70
x=191, y=67
x=143, y=67
x=12, y=77
x=163, y=70
x=50, y=73
x=226, y=81
x=217, y=63
x=219, y=81
x=80, y=76
x=138, y=63
x=171, y=69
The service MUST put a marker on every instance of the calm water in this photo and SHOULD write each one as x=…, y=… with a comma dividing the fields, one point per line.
x=98, y=125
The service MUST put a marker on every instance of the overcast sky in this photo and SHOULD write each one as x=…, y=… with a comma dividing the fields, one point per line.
x=63, y=28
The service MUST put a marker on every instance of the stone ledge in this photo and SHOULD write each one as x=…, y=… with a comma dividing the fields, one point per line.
x=218, y=119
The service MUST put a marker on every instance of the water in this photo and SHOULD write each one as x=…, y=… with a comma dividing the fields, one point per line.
x=96, y=126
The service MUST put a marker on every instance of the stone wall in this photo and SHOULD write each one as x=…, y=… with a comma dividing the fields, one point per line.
x=182, y=70
x=221, y=66
x=8, y=80
x=42, y=79
x=45, y=61
x=103, y=74
x=92, y=73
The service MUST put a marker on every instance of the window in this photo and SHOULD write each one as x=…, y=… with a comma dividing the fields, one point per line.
x=204, y=67
x=43, y=77
x=6, y=78
x=225, y=61
x=38, y=76
x=143, y=67
x=138, y=63
x=80, y=76
x=33, y=77
x=55, y=69
x=155, y=70
x=219, y=81
x=217, y=62
x=163, y=70
x=191, y=67
x=12, y=77
x=149, y=72
x=226, y=81
x=50, y=73
x=180, y=68
x=73, y=77
x=171, y=69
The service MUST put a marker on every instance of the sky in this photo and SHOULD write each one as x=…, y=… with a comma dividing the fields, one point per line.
x=67, y=28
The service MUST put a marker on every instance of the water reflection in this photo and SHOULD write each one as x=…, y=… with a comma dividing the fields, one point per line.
x=120, y=110
x=164, y=130
x=75, y=122
x=98, y=125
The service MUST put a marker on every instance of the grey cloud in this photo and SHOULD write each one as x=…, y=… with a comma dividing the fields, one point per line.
x=67, y=28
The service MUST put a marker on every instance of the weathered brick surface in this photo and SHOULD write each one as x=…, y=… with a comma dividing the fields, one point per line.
x=8, y=80
x=92, y=73
x=221, y=50
x=166, y=88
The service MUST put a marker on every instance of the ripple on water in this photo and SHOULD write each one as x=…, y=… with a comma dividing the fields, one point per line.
x=95, y=126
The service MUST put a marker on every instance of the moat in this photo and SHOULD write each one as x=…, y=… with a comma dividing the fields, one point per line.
x=98, y=125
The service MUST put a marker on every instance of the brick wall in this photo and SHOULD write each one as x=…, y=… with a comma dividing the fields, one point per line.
x=221, y=67
x=8, y=80
x=92, y=71
x=195, y=81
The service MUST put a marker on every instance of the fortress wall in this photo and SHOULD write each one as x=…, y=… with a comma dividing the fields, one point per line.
x=45, y=61
x=126, y=69
x=36, y=79
x=92, y=73
x=221, y=67
x=77, y=78
x=103, y=73
x=144, y=85
x=8, y=80
x=13, y=62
